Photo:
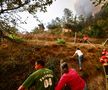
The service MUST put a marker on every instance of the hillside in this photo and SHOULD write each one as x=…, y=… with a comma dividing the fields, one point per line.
x=17, y=61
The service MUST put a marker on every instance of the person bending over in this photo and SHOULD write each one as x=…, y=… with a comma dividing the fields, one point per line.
x=71, y=79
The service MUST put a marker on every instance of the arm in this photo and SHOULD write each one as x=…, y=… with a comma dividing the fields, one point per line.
x=27, y=83
x=74, y=53
x=61, y=83
x=21, y=88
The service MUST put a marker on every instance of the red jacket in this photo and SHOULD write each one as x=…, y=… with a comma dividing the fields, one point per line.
x=85, y=38
x=72, y=79
x=104, y=52
x=104, y=59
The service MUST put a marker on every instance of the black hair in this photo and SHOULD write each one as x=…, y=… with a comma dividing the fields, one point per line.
x=78, y=48
x=41, y=62
x=64, y=65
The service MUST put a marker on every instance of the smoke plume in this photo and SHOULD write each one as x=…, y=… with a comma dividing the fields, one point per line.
x=86, y=8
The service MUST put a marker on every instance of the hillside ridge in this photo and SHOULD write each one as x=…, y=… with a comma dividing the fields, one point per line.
x=17, y=61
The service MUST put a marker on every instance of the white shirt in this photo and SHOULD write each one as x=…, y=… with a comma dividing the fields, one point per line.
x=79, y=53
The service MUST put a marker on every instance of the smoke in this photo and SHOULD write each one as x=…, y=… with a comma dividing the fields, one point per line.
x=83, y=7
x=86, y=8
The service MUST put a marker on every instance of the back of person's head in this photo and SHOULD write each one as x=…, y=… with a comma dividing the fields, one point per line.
x=78, y=48
x=41, y=62
x=64, y=67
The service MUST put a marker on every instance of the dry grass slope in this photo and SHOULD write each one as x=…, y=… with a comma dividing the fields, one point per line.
x=17, y=60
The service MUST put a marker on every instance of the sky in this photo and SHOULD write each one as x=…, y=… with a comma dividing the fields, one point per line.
x=54, y=10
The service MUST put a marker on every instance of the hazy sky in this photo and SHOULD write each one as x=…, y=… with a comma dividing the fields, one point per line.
x=55, y=10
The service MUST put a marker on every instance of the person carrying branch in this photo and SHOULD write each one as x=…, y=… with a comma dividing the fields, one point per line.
x=80, y=56
x=85, y=38
x=42, y=78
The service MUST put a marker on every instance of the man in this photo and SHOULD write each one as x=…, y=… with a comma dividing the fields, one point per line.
x=85, y=39
x=71, y=79
x=104, y=51
x=103, y=59
x=42, y=79
x=80, y=55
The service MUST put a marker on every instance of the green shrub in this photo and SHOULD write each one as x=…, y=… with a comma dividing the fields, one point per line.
x=60, y=41
x=15, y=38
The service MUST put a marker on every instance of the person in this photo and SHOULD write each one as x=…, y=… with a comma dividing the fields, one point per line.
x=71, y=79
x=104, y=51
x=85, y=38
x=42, y=78
x=80, y=55
x=104, y=58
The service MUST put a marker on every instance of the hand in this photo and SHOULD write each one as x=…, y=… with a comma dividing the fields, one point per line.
x=21, y=88
x=72, y=56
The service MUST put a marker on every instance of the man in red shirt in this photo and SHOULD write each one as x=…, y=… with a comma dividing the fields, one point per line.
x=85, y=38
x=103, y=60
x=104, y=57
x=104, y=51
x=71, y=79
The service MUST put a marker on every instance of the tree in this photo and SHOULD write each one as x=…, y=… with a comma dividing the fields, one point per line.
x=10, y=8
x=71, y=22
x=97, y=26
x=29, y=5
x=54, y=23
x=67, y=15
x=54, y=27
x=6, y=30
x=103, y=13
x=98, y=2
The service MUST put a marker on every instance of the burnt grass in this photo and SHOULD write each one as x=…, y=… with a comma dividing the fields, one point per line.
x=17, y=62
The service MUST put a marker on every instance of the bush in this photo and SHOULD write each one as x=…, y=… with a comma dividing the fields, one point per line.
x=60, y=41
x=15, y=38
